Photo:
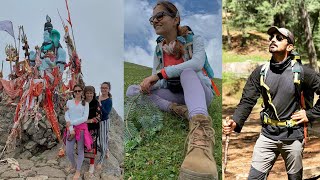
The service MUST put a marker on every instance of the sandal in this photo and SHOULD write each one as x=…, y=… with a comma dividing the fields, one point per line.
x=107, y=154
x=76, y=175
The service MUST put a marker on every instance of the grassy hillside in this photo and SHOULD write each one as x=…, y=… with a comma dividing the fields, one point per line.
x=161, y=157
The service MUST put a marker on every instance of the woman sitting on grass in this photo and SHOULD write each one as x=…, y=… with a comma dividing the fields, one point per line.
x=179, y=85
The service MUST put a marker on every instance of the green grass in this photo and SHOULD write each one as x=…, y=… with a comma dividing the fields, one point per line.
x=161, y=156
x=228, y=57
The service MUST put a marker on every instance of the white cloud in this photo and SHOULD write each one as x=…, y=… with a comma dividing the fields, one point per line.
x=137, y=14
x=214, y=53
x=209, y=27
x=138, y=55
x=206, y=25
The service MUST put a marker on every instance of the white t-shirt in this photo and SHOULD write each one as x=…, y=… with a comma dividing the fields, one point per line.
x=77, y=113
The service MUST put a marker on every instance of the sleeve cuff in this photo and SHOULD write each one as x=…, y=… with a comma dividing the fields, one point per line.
x=164, y=74
x=238, y=128
x=309, y=116
x=159, y=75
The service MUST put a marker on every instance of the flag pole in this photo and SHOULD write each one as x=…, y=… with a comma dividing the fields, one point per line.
x=69, y=20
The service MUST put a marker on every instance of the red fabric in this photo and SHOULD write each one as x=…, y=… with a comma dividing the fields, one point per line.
x=164, y=74
x=169, y=60
x=48, y=107
x=37, y=89
x=69, y=19
x=10, y=89
x=91, y=160
x=76, y=102
x=215, y=88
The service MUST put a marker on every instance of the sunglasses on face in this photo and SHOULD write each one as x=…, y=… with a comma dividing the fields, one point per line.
x=278, y=37
x=159, y=16
x=77, y=91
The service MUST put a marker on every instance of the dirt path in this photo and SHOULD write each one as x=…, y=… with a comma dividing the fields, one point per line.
x=241, y=147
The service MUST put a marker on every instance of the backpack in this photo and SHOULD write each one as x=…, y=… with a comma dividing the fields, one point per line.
x=303, y=96
x=207, y=70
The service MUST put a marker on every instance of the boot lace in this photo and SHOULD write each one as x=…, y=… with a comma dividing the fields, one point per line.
x=194, y=138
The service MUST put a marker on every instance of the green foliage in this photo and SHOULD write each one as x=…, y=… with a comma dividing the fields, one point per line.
x=142, y=122
x=161, y=155
x=228, y=57
x=261, y=14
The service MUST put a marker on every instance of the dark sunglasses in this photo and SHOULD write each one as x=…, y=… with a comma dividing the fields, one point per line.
x=159, y=16
x=278, y=37
x=77, y=91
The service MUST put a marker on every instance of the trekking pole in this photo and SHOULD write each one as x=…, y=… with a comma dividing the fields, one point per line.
x=226, y=149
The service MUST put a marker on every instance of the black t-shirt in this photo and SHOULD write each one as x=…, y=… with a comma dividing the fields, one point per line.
x=93, y=112
x=280, y=81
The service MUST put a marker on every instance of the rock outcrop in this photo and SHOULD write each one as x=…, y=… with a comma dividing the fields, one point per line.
x=37, y=152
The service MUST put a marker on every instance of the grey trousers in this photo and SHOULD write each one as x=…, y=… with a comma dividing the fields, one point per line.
x=266, y=152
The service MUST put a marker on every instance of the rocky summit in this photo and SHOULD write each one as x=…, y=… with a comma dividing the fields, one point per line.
x=37, y=151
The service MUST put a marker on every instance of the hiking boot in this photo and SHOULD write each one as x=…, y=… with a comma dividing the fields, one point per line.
x=199, y=163
x=179, y=110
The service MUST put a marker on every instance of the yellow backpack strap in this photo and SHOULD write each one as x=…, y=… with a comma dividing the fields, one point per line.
x=296, y=70
x=266, y=99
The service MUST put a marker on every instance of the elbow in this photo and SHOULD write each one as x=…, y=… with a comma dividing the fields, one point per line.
x=199, y=67
x=200, y=61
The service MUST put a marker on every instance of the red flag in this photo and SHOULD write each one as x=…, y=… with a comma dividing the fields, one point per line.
x=69, y=19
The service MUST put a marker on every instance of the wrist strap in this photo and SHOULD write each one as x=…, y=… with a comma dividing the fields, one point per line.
x=159, y=74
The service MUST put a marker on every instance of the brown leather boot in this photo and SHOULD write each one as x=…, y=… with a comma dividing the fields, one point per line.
x=199, y=163
x=179, y=110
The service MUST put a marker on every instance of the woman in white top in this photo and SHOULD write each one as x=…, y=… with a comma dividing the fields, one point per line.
x=76, y=117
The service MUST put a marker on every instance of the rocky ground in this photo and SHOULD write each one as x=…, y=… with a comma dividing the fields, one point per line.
x=40, y=161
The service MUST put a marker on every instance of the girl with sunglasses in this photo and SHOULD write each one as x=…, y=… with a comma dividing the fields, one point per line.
x=76, y=117
x=105, y=102
x=178, y=85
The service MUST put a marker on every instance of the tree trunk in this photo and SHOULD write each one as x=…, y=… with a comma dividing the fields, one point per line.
x=228, y=32
x=243, y=37
x=279, y=20
x=315, y=20
x=312, y=54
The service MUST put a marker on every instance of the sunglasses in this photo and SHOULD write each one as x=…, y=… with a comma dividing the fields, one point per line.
x=278, y=37
x=77, y=91
x=159, y=16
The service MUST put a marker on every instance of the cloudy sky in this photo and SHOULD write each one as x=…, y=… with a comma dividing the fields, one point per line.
x=203, y=16
x=98, y=30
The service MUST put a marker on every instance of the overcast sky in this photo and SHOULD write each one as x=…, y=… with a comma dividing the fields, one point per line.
x=203, y=16
x=98, y=30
